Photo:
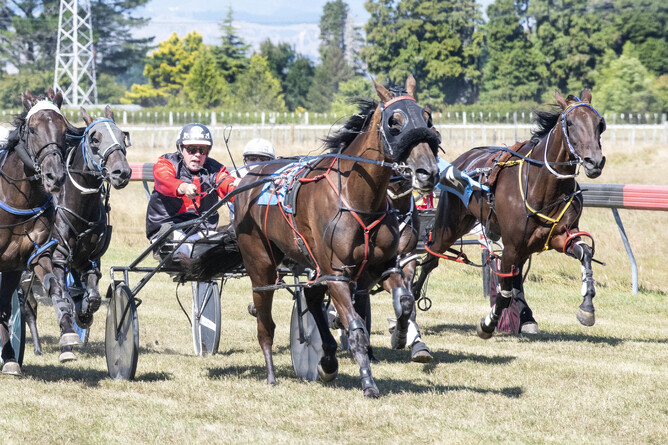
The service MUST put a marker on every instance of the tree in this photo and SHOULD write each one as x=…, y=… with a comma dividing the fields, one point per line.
x=332, y=24
x=12, y=85
x=350, y=90
x=279, y=58
x=298, y=81
x=205, y=86
x=231, y=55
x=439, y=41
x=515, y=70
x=29, y=34
x=622, y=83
x=573, y=37
x=327, y=76
x=258, y=89
x=167, y=70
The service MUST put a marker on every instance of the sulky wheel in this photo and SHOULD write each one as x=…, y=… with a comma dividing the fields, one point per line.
x=206, y=317
x=305, y=354
x=122, y=333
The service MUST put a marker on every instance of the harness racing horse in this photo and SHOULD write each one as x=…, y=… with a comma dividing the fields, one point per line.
x=31, y=167
x=96, y=162
x=534, y=204
x=339, y=223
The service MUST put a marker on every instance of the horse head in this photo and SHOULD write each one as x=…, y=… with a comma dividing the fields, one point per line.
x=105, y=147
x=44, y=138
x=408, y=134
x=582, y=126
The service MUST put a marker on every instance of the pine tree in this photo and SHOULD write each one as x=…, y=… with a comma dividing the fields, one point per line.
x=258, y=89
x=231, y=55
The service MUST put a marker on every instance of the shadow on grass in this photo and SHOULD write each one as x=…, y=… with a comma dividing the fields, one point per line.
x=61, y=372
x=389, y=355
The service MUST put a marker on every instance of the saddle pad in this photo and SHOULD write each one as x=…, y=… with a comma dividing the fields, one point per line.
x=457, y=182
x=274, y=192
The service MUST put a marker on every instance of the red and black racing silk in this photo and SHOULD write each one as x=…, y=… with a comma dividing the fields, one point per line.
x=166, y=205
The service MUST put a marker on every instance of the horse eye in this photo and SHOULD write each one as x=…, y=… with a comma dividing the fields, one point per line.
x=569, y=123
x=601, y=126
x=32, y=130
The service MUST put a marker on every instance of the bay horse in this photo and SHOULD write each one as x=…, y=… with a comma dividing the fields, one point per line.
x=339, y=223
x=534, y=203
x=31, y=168
x=94, y=163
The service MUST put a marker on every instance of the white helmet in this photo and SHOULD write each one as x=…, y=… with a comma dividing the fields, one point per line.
x=259, y=147
x=194, y=134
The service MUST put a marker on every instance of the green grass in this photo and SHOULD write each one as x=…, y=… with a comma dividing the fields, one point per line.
x=570, y=384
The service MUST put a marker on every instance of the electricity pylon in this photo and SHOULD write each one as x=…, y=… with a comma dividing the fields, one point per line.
x=75, y=56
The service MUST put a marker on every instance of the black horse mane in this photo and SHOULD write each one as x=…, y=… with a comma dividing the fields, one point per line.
x=546, y=120
x=357, y=123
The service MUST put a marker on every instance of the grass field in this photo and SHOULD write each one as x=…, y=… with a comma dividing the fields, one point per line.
x=570, y=384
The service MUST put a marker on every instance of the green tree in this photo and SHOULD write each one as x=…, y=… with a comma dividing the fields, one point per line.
x=12, y=85
x=332, y=24
x=622, y=83
x=29, y=33
x=515, y=70
x=167, y=69
x=572, y=35
x=439, y=41
x=298, y=81
x=350, y=90
x=205, y=86
x=327, y=76
x=231, y=54
x=279, y=58
x=258, y=89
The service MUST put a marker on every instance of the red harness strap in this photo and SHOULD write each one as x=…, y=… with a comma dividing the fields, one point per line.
x=460, y=258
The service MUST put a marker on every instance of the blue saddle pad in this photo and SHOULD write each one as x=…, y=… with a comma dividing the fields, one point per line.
x=274, y=192
x=457, y=182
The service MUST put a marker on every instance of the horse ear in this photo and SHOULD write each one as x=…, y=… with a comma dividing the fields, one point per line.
x=384, y=95
x=108, y=113
x=560, y=99
x=586, y=95
x=86, y=117
x=27, y=100
x=58, y=99
x=410, y=85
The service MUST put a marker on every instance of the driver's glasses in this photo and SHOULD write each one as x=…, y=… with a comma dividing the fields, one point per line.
x=194, y=149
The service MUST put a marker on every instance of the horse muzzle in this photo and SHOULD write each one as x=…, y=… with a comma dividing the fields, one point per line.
x=53, y=182
x=593, y=169
x=425, y=181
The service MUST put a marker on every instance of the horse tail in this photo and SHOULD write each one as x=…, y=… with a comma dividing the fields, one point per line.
x=213, y=256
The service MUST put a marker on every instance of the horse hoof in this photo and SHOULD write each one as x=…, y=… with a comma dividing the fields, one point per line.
x=327, y=376
x=398, y=340
x=481, y=331
x=69, y=339
x=420, y=353
x=93, y=304
x=67, y=357
x=586, y=318
x=529, y=328
x=12, y=368
x=372, y=393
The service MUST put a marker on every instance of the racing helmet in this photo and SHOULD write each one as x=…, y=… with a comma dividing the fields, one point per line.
x=259, y=147
x=194, y=134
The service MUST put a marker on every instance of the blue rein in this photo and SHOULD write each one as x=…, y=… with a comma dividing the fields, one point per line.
x=85, y=150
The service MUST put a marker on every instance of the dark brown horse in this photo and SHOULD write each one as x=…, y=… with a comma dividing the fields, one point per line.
x=31, y=168
x=534, y=204
x=339, y=223
x=95, y=161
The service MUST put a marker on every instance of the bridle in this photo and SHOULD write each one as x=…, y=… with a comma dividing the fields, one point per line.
x=31, y=158
x=564, y=130
x=95, y=160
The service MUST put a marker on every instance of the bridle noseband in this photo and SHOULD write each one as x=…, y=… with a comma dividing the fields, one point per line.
x=95, y=160
x=564, y=130
x=26, y=152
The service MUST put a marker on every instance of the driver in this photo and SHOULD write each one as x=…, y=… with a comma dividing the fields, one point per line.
x=184, y=183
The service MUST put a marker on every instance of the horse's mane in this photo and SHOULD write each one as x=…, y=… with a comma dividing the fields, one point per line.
x=357, y=123
x=546, y=120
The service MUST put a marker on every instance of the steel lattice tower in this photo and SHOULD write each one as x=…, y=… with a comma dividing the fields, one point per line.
x=75, y=56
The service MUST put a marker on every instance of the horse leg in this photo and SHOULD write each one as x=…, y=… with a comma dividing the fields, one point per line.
x=265, y=329
x=358, y=336
x=29, y=313
x=527, y=323
x=583, y=252
x=508, y=272
x=403, y=303
x=328, y=368
x=8, y=284
x=91, y=300
x=419, y=351
x=53, y=281
x=362, y=305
